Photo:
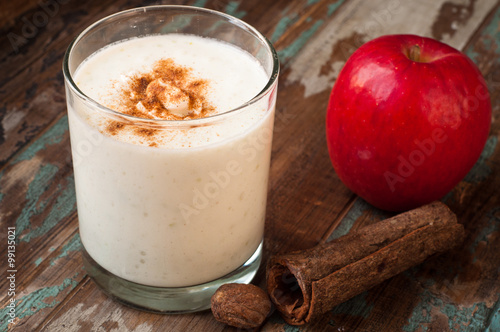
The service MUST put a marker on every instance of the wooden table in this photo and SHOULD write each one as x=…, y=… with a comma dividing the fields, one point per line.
x=307, y=202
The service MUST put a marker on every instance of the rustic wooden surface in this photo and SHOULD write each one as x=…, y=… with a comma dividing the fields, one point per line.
x=307, y=203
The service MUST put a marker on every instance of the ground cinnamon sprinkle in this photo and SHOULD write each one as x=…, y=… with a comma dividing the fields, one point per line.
x=168, y=92
x=114, y=126
x=145, y=132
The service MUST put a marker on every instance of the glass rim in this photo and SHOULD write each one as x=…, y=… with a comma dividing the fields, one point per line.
x=165, y=122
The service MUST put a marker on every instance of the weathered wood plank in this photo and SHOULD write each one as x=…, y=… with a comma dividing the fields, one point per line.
x=12, y=13
x=42, y=180
x=306, y=198
x=38, y=190
x=31, y=65
x=38, y=201
x=305, y=195
x=469, y=296
x=459, y=290
x=39, y=290
x=316, y=67
x=360, y=21
x=169, y=318
x=32, y=77
x=309, y=76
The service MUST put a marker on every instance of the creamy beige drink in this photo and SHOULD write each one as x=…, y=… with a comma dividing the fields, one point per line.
x=173, y=193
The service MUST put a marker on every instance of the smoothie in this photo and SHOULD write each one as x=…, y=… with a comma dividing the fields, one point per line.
x=171, y=191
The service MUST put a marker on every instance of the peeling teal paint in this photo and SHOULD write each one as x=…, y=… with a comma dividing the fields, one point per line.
x=492, y=29
x=493, y=226
x=333, y=7
x=359, y=207
x=276, y=319
x=291, y=50
x=459, y=317
x=232, y=9
x=493, y=324
x=65, y=204
x=38, y=261
x=357, y=210
x=40, y=299
x=473, y=318
x=288, y=20
x=357, y=306
x=312, y=2
x=489, y=39
x=200, y=3
x=73, y=245
x=36, y=189
x=480, y=171
x=43, y=178
x=1, y=193
x=52, y=136
x=282, y=25
x=290, y=328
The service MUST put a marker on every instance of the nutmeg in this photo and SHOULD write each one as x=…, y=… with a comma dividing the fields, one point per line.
x=240, y=305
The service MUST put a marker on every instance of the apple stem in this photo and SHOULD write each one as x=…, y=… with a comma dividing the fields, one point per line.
x=414, y=53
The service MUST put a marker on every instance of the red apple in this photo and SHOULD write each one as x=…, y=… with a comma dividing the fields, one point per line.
x=407, y=119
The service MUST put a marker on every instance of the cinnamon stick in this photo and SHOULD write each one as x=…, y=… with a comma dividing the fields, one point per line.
x=305, y=284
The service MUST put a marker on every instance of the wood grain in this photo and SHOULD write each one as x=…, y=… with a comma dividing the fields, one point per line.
x=307, y=203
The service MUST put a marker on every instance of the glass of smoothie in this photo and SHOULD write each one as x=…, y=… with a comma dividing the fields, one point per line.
x=170, y=111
